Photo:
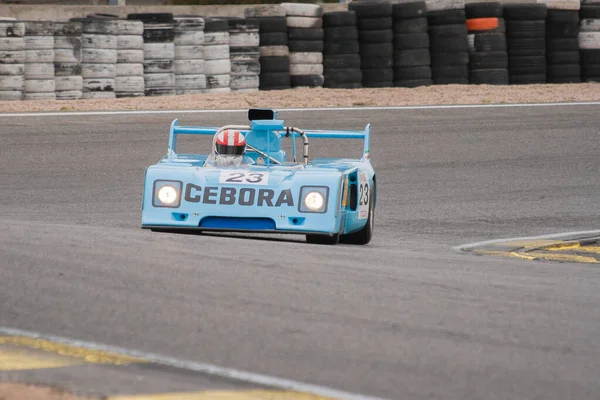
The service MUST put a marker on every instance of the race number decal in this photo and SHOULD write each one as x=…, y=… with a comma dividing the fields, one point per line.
x=244, y=177
x=364, y=192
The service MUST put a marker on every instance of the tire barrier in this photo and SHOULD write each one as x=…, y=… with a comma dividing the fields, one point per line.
x=589, y=41
x=488, y=59
x=159, y=53
x=412, y=61
x=526, y=40
x=39, y=60
x=341, y=58
x=217, y=59
x=244, y=40
x=449, y=46
x=305, y=43
x=189, y=55
x=129, y=76
x=274, y=55
x=68, y=81
x=12, y=59
x=562, y=47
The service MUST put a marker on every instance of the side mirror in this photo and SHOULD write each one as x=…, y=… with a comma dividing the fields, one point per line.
x=255, y=114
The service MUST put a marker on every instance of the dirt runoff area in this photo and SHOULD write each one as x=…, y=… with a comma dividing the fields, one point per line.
x=298, y=98
x=315, y=97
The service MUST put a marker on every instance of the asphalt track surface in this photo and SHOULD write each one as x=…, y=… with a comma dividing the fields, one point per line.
x=405, y=317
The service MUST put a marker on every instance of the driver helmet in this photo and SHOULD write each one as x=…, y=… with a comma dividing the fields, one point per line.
x=230, y=143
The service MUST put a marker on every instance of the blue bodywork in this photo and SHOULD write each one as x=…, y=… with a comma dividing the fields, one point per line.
x=269, y=195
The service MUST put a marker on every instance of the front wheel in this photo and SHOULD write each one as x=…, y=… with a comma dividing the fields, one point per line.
x=323, y=239
x=365, y=235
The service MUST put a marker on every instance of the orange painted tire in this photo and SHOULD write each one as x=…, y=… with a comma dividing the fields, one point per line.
x=482, y=24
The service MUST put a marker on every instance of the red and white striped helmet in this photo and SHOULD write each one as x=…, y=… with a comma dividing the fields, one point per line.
x=230, y=143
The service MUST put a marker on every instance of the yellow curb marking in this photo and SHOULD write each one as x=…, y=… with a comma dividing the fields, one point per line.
x=503, y=253
x=19, y=359
x=564, y=257
x=78, y=353
x=225, y=395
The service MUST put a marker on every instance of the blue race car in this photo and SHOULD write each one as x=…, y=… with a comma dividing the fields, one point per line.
x=329, y=200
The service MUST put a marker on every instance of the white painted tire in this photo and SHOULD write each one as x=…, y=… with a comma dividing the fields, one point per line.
x=159, y=80
x=190, y=82
x=590, y=25
x=10, y=95
x=39, y=71
x=67, y=42
x=99, y=56
x=218, y=81
x=561, y=4
x=188, y=91
x=130, y=27
x=440, y=5
x=130, y=42
x=91, y=70
x=39, y=28
x=265, y=10
x=244, y=82
x=69, y=29
x=304, y=22
x=67, y=69
x=306, y=58
x=216, y=52
x=67, y=55
x=39, y=56
x=67, y=83
x=159, y=66
x=130, y=56
x=130, y=84
x=12, y=57
x=133, y=69
x=98, y=95
x=39, y=96
x=68, y=94
x=12, y=29
x=159, y=51
x=217, y=67
x=245, y=39
x=101, y=26
x=12, y=43
x=216, y=38
x=39, y=42
x=40, y=86
x=182, y=24
x=589, y=40
x=189, y=38
x=94, y=41
x=246, y=67
x=245, y=56
x=189, y=52
x=302, y=10
x=12, y=82
x=12, y=69
x=245, y=90
x=306, y=69
x=189, y=67
x=217, y=90
x=98, y=85
x=274, y=51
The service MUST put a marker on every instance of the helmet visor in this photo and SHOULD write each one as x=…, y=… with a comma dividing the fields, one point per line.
x=226, y=150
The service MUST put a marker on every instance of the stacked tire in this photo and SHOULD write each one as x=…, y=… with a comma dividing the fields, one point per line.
x=589, y=42
x=412, y=61
x=68, y=81
x=244, y=55
x=159, y=53
x=129, y=78
x=217, y=60
x=305, y=42
x=448, y=46
x=488, y=59
x=189, y=54
x=341, y=58
x=375, y=36
x=39, y=61
x=526, y=42
x=273, y=47
x=12, y=59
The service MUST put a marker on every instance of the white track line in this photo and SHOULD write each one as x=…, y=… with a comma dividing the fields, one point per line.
x=467, y=247
x=208, y=369
x=432, y=107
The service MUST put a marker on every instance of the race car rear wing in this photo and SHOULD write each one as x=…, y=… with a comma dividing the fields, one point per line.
x=274, y=126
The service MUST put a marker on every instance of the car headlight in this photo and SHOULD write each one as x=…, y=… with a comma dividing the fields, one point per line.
x=313, y=199
x=167, y=194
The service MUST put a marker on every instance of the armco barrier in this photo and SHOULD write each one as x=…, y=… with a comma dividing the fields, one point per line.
x=366, y=43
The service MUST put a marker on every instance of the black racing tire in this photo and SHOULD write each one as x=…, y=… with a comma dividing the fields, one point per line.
x=562, y=44
x=450, y=44
x=272, y=24
x=341, y=61
x=158, y=35
x=446, y=17
x=376, y=36
x=243, y=24
x=274, y=80
x=451, y=81
x=411, y=41
x=588, y=70
x=526, y=29
x=377, y=75
x=489, y=42
x=557, y=30
x=331, y=85
x=102, y=16
x=589, y=11
x=307, y=80
x=564, y=79
x=365, y=235
x=274, y=64
x=152, y=18
x=441, y=60
x=377, y=84
x=563, y=70
x=414, y=9
x=488, y=76
x=339, y=18
x=412, y=58
x=591, y=56
x=345, y=75
x=526, y=79
x=483, y=10
x=323, y=239
x=376, y=62
x=525, y=12
x=526, y=61
x=526, y=47
x=590, y=78
x=341, y=47
x=371, y=8
x=338, y=33
x=413, y=83
x=412, y=73
x=563, y=57
x=449, y=72
x=273, y=39
x=377, y=50
x=305, y=46
x=489, y=60
x=414, y=25
x=305, y=33
x=448, y=30
x=375, y=23
x=215, y=25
